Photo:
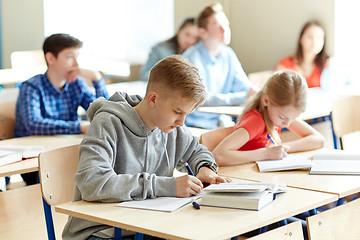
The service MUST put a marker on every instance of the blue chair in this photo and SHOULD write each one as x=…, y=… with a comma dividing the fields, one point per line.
x=56, y=171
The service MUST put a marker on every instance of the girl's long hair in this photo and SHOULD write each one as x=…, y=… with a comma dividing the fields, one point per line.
x=322, y=56
x=283, y=88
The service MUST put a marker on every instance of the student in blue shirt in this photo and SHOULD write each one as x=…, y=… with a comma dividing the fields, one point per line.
x=48, y=103
x=186, y=36
x=219, y=67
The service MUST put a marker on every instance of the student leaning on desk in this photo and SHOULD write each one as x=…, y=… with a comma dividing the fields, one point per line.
x=133, y=145
x=48, y=103
x=278, y=105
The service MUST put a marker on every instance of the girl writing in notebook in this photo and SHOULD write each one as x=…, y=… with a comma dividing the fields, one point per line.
x=278, y=105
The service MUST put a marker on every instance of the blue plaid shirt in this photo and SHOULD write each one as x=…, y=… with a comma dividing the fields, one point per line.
x=41, y=109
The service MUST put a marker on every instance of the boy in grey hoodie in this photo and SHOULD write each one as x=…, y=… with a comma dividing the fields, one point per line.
x=133, y=146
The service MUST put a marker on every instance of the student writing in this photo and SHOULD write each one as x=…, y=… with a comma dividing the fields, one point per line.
x=276, y=106
x=133, y=145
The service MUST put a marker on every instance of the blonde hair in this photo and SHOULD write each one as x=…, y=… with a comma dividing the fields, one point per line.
x=176, y=73
x=208, y=11
x=283, y=88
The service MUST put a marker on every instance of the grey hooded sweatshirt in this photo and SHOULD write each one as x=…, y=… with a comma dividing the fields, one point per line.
x=122, y=159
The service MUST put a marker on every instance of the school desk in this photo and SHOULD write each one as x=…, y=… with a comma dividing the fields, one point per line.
x=342, y=185
x=206, y=223
x=48, y=142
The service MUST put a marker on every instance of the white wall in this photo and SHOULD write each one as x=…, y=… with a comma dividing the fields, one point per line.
x=22, y=27
x=264, y=31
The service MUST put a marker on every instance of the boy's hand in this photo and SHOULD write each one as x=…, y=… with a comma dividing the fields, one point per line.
x=187, y=186
x=207, y=175
x=85, y=73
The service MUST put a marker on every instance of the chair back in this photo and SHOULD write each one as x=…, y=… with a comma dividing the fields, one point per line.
x=346, y=115
x=212, y=138
x=26, y=59
x=336, y=223
x=291, y=231
x=7, y=120
x=56, y=171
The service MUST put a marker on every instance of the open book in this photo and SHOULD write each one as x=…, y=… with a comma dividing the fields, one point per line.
x=11, y=153
x=252, y=196
x=290, y=162
x=336, y=162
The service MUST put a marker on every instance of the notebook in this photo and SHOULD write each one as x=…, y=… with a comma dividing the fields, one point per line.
x=250, y=196
x=164, y=204
x=291, y=162
x=11, y=153
x=336, y=162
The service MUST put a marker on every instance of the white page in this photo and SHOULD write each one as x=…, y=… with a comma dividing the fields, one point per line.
x=288, y=163
x=165, y=204
x=236, y=187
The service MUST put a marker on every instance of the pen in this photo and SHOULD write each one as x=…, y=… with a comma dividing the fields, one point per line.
x=195, y=204
x=189, y=169
x=271, y=139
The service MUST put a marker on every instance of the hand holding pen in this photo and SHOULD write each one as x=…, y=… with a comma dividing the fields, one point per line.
x=275, y=151
x=188, y=185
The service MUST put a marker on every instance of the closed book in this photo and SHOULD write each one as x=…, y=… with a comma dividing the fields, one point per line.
x=336, y=162
x=238, y=200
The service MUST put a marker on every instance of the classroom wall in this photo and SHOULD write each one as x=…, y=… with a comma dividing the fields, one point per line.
x=22, y=27
x=264, y=31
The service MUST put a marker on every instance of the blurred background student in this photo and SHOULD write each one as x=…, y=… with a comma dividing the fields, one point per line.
x=310, y=57
x=312, y=61
x=186, y=36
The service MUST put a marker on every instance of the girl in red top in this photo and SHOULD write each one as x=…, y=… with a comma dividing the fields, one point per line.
x=276, y=106
x=310, y=58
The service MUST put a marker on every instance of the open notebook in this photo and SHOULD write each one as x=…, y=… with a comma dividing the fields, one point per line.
x=336, y=162
x=11, y=153
x=165, y=204
x=291, y=162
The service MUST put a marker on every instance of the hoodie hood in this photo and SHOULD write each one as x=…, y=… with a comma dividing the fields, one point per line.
x=121, y=105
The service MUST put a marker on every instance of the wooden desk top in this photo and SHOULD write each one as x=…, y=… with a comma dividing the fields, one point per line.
x=341, y=185
x=206, y=223
x=22, y=215
x=48, y=142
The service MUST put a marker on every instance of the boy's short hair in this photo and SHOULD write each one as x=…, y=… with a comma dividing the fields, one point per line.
x=176, y=73
x=58, y=42
x=208, y=11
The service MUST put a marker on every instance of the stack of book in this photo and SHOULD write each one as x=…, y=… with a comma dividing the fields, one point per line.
x=251, y=196
x=10, y=153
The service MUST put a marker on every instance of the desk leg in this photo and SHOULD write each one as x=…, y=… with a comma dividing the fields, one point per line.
x=117, y=233
x=139, y=236
x=49, y=220
x=333, y=133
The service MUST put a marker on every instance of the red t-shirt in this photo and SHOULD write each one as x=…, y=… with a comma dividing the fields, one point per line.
x=255, y=125
x=312, y=81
